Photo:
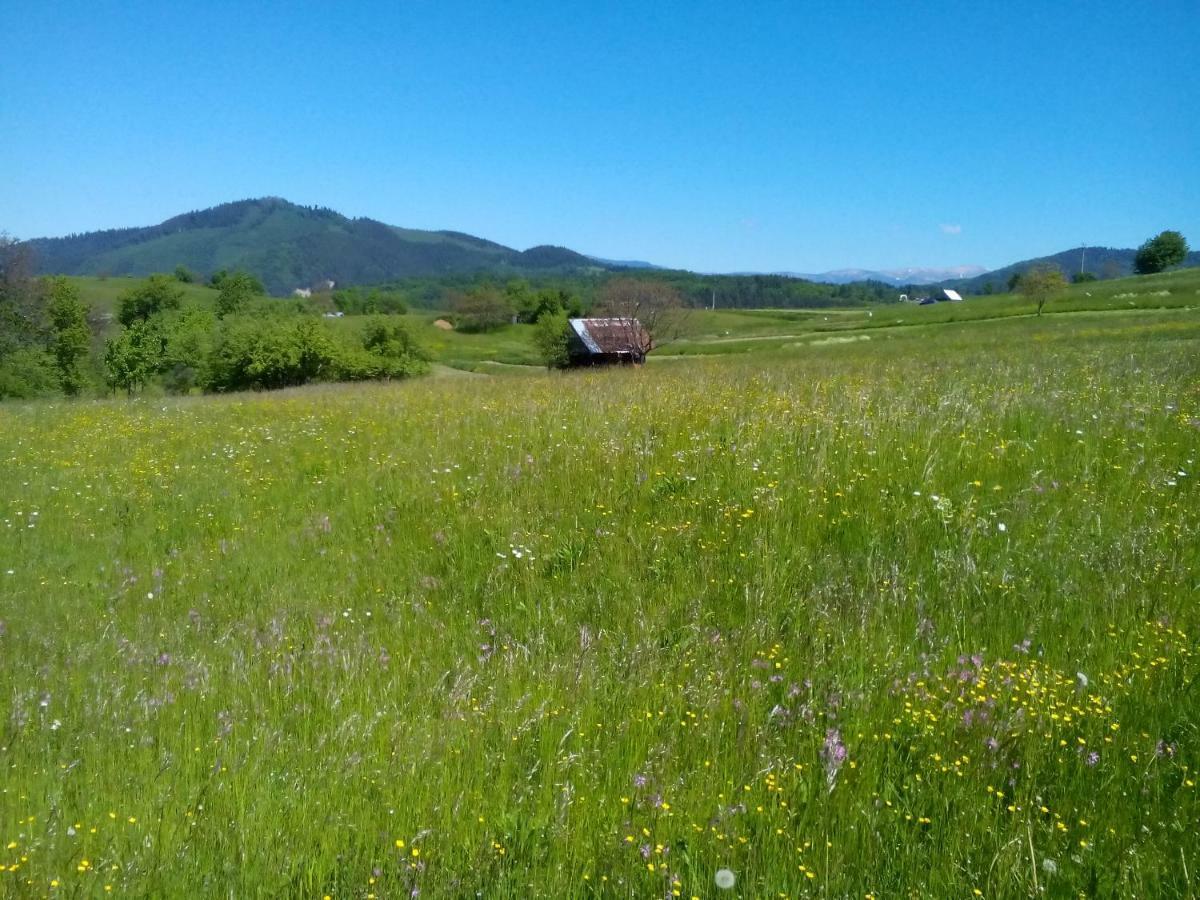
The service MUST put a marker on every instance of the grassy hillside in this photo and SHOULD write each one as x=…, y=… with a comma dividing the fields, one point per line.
x=1102, y=262
x=907, y=616
x=289, y=246
x=724, y=332
x=755, y=330
x=102, y=294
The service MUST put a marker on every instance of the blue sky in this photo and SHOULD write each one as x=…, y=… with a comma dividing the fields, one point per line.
x=714, y=136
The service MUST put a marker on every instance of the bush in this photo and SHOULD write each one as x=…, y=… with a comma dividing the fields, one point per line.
x=286, y=351
x=551, y=336
x=71, y=338
x=221, y=275
x=159, y=293
x=359, y=302
x=189, y=342
x=482, y=309
x=235, y=293
x=275, y=353
x=136, y=355
x=392, y=343
x=28, y=373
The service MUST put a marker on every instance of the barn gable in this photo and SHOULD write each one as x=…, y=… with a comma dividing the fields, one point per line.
x=608, y=340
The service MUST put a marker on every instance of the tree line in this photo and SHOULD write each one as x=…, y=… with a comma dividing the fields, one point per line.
x=50, y=343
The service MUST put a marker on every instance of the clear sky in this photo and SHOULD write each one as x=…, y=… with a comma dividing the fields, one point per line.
x=717, y=136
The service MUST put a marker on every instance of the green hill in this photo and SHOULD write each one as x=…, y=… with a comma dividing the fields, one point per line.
x=1102, y=262
x=290, y=246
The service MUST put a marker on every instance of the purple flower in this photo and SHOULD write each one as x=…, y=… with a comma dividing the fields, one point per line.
x=639, y=780
x=1092, y=758
x=833, y=754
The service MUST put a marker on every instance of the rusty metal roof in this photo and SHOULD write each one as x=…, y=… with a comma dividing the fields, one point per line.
x=614, y=335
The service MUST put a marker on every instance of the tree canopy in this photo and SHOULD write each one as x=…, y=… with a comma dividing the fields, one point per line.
x=158, y=294
x=1168, y=248
x=235, y=291
x=1040, y=283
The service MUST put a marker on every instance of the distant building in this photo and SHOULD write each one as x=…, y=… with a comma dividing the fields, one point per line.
x=945, y=295
x=598, y=342
x=323, y=286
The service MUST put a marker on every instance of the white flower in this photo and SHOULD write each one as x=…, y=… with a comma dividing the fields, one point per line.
x=1001, y=526
x=725, y=879
x=1049, y=866
x=1082, y=680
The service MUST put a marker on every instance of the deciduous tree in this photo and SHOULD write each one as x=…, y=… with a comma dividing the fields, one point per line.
x=482, y=309
x=1169, y=248
x=551, y=335
x=70, y=335
x=235, y=292
x=656, y=304
x=1040, y=283
x=157, y=294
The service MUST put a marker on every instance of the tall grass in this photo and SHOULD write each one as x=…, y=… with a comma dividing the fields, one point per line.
x=890, y=618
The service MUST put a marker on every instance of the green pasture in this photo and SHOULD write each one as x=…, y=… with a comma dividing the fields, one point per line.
x=912, y=616
x=724, y=331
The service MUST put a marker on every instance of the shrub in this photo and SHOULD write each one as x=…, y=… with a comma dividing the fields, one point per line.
x=551, y=336
x=482, y=309
x=28, y=373
x=159, y=293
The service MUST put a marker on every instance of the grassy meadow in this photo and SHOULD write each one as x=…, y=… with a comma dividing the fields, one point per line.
x=724, y=332
x=907, y=616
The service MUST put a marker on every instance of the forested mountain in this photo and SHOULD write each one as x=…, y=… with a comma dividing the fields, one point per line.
x=289, y=246
x=1102, y=262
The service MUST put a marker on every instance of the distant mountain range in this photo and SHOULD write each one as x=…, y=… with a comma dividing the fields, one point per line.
x=897, y=277
x=289, y=246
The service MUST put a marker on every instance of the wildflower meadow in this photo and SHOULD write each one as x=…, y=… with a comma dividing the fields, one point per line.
x=913, y=616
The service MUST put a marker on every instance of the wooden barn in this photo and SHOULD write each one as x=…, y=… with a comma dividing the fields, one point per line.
x=600, y=342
